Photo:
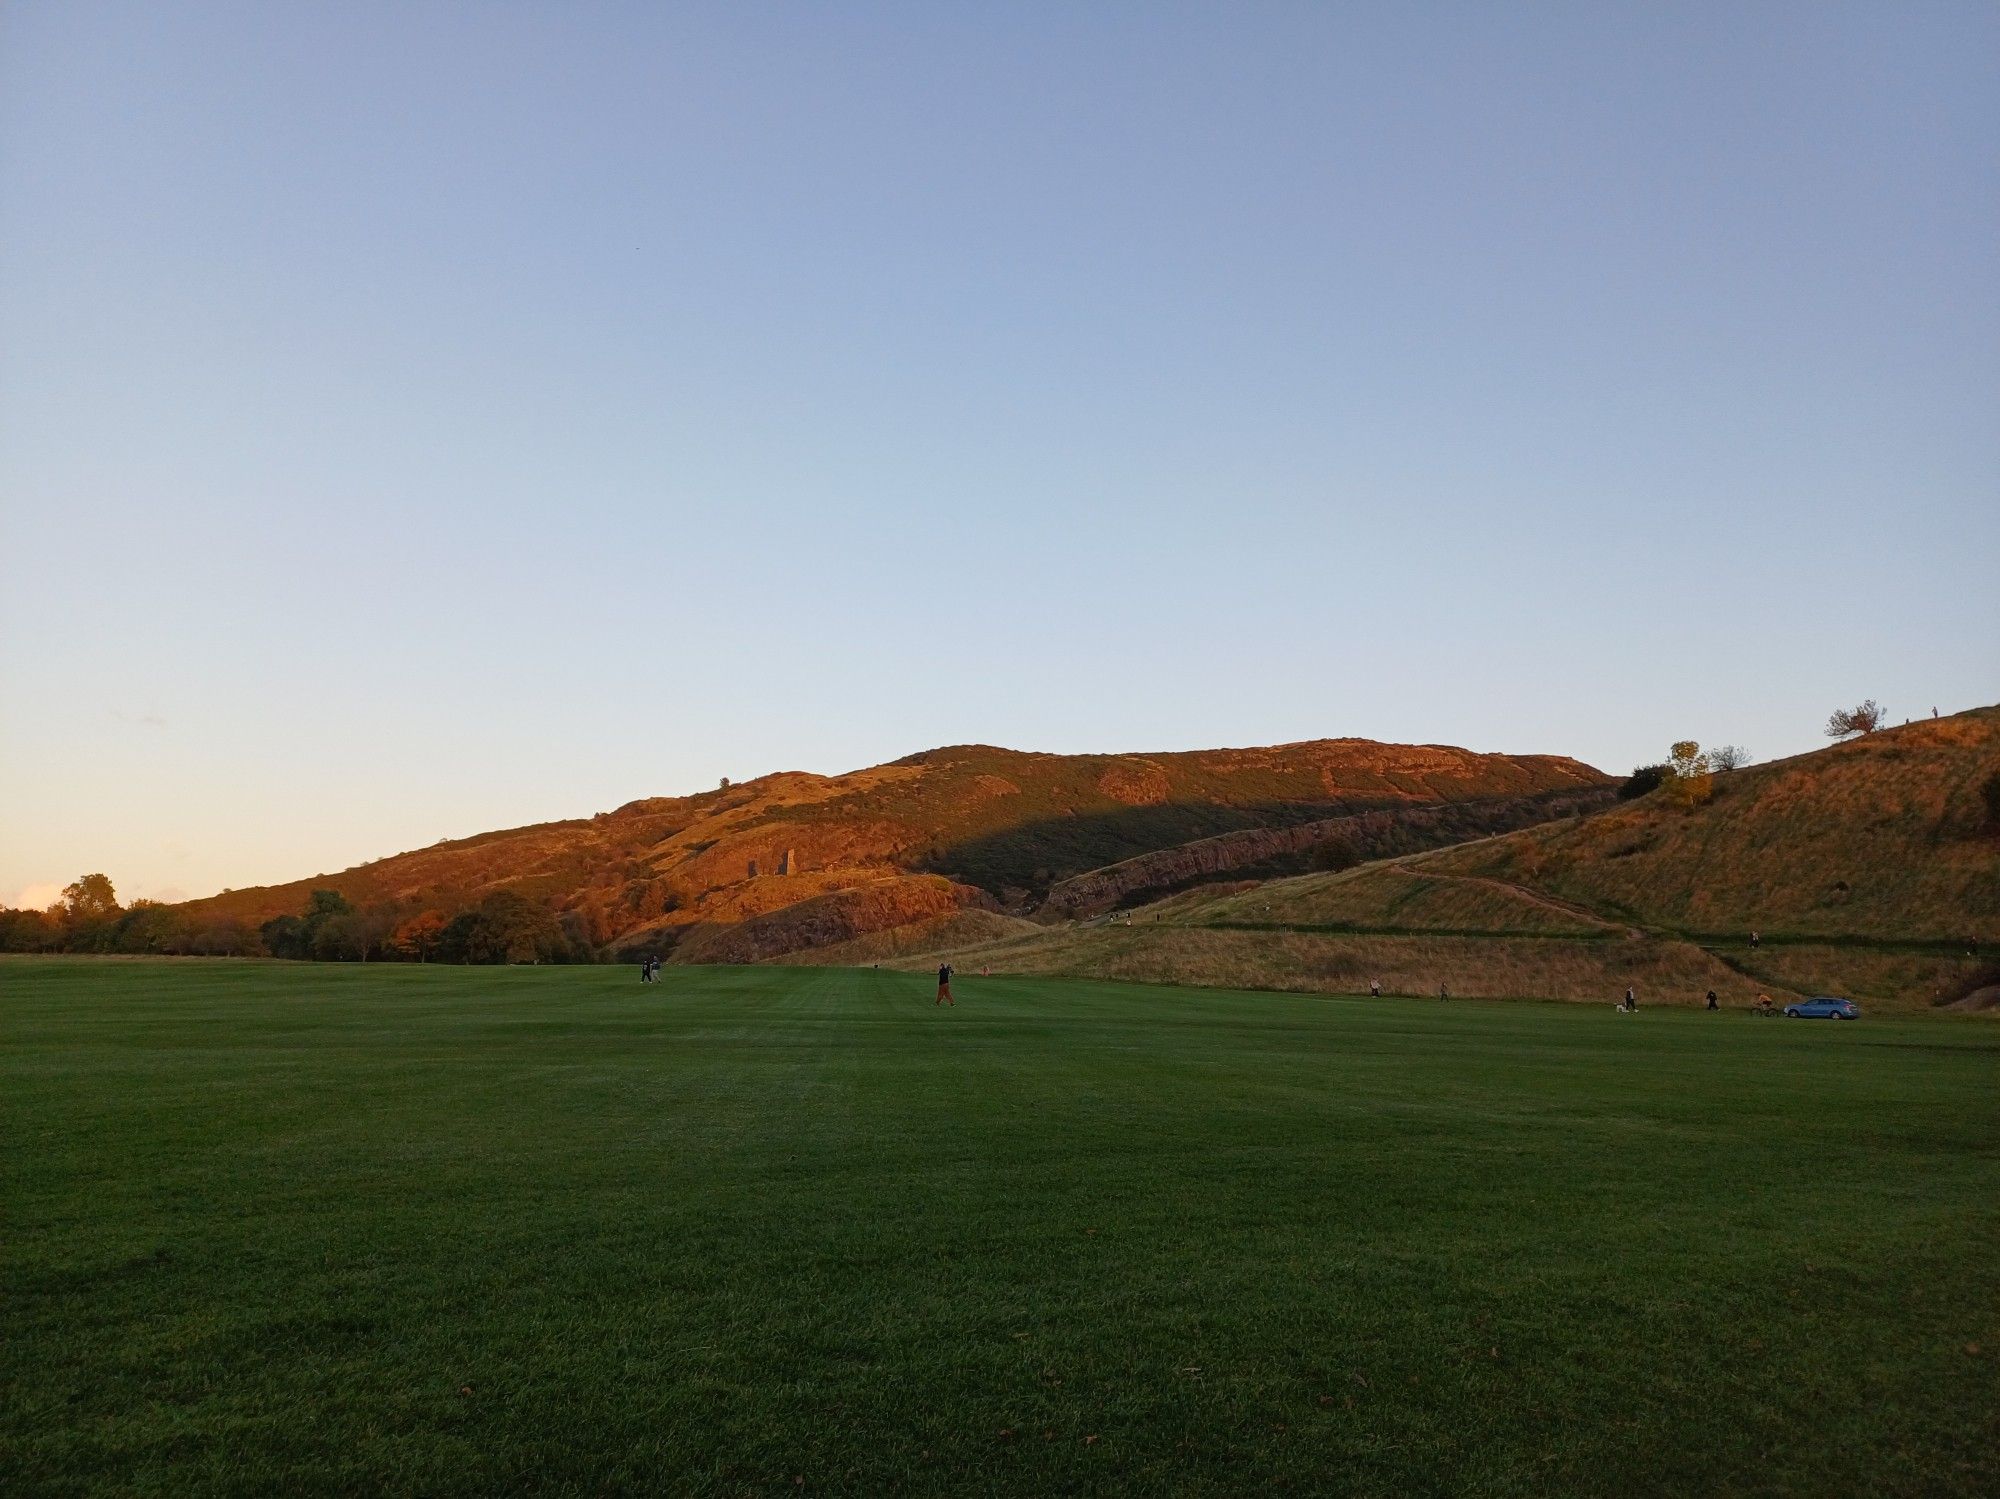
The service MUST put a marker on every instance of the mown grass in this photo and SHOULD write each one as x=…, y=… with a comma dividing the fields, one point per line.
x=323, y=1229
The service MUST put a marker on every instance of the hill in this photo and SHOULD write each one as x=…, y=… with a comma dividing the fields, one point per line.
x=961, y=828
x=1865, y=868
x=1882, y=836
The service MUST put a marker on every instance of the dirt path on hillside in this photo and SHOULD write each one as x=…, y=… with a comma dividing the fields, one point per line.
x=1532, y=897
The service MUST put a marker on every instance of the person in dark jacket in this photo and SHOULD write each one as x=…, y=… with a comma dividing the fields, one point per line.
x=944, y=985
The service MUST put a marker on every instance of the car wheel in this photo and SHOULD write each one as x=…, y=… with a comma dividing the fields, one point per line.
x=1791, y=1014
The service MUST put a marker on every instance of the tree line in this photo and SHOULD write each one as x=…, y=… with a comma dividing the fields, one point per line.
x=504, y=927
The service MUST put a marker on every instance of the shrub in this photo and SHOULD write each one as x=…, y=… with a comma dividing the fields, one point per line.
x=1643, y=779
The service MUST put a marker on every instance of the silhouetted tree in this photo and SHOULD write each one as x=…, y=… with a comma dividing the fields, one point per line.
x=91, y=898
x=1727, y=757
x=1844, y=723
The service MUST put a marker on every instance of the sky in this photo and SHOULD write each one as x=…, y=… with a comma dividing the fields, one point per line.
x=419, y=419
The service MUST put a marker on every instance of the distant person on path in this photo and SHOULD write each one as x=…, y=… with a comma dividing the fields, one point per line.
x=944, y=985
x=1711, y=1000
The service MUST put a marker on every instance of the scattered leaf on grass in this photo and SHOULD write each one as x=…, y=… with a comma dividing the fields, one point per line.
x=1090, y=1441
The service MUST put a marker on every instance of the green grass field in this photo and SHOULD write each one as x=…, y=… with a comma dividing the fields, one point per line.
x=335, y=1228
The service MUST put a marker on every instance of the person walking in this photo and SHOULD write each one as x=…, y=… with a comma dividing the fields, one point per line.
x=1374, y=988
x=1631, y=1001
x=1754, y=941
x=1443, y=994
x=944, y=985
x=1711, y=1000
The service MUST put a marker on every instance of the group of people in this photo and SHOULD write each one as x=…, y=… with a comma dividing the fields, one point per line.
x=649, y=969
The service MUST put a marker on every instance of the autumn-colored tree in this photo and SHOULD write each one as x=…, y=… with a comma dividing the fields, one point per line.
x=89, y=899
x=1844, y=723
x=418, y=937
x=1688, y=780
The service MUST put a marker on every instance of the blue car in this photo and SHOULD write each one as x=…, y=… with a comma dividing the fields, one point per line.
x=1824, y=1007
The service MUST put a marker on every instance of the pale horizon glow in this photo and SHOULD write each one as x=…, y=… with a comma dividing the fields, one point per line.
x=417, y=420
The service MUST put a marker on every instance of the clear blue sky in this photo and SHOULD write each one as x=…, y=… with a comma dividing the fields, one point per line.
x=417, y=419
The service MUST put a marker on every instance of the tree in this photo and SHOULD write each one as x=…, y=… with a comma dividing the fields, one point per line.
x=284, y=937
x=1335, y=852
x=1727, y=757
x=322, y=927
x=466, y=938
x=1688, y=781
x=1644, y=778
x=149, y=926
x=418, y=937
x=520, y=931
x=89, y=899
x=26, y=931
x=1844, y=723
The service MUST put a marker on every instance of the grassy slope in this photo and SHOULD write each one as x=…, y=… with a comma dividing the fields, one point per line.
x=320, y=1229
x=1388, y=897
x=1893, y=818
x=1310, y=962
x=1877, y=837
